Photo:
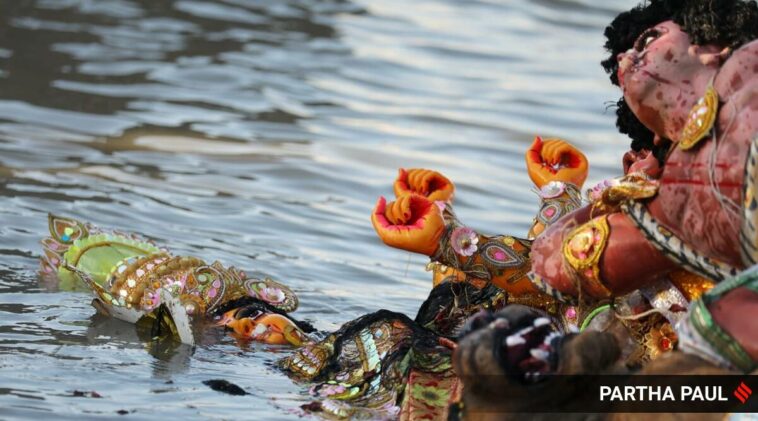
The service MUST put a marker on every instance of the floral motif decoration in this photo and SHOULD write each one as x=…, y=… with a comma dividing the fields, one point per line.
x=429, y=395
x=552, y=189
x=273, y=293
x=66, y=230
x=500, y=255
x=595, y=193
x=557, y=199
x=464, y=241
x=608, y=195
x=63, y=233
x=660, y=339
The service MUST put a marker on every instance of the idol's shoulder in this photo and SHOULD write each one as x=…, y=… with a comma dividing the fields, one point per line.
x=739, y=72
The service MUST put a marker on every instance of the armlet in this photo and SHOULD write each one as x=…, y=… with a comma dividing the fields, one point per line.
x=582, y=249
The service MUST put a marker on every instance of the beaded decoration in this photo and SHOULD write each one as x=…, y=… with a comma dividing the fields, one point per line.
x=130, y=274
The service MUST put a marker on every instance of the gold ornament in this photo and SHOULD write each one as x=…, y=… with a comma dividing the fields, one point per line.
x=700, y=120
x=308, y=361
x=692, y=286
x=660, y=339
x=582, y=250
x=631, y=187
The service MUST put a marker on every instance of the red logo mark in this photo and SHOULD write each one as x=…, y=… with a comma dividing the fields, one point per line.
x=742, y=392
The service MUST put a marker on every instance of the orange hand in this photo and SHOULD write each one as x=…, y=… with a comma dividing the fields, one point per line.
x=555, y=160
x=431, y=184
x=268, y=328
x=412, y=222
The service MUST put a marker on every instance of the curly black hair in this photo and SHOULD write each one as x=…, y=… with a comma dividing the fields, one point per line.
x=728, y=23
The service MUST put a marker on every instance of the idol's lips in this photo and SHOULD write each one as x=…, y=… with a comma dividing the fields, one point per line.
x=620, y=75
x=631, y=63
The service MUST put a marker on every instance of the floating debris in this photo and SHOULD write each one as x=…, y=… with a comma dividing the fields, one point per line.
x=83, y=394
x=225, y=387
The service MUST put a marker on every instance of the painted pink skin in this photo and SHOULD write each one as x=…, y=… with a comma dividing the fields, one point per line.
x=661, y=83
x=619, y=273
x=642, y=161
x=664, y=75
x=729, y=312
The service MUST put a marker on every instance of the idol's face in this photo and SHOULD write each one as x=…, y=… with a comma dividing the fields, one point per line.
x=657, y=75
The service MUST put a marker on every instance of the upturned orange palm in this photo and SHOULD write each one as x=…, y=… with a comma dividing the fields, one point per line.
x=555, y=160
x=412, y=222
x=428, y=183
x=269, y=328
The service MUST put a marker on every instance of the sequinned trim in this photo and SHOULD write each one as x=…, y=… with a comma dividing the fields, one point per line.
x=544, y=287
x=747, y=279
x=749, y=228
x=691, y=342
x=663, y=296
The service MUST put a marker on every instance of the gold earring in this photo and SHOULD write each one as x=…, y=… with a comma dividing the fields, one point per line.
x=700, y=120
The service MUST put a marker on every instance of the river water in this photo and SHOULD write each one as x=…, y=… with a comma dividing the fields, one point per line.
x=260, y=133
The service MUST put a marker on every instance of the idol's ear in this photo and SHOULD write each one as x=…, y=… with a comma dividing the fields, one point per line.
x=710, y=55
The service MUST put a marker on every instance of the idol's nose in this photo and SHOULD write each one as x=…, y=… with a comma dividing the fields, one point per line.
x=625, y=61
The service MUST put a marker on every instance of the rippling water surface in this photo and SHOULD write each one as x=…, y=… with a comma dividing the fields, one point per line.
x=260, y=133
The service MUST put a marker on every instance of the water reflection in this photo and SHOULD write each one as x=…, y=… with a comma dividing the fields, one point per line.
x=260, y=134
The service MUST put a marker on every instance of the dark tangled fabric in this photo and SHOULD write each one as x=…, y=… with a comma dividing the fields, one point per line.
x=441, y=315
x=728, y=23
x=249, y=305
x=456, y=299
x=385, y=363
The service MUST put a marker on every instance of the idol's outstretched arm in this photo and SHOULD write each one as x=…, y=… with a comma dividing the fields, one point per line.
x=582, y=254
x=558, y=170
x=415, y=223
